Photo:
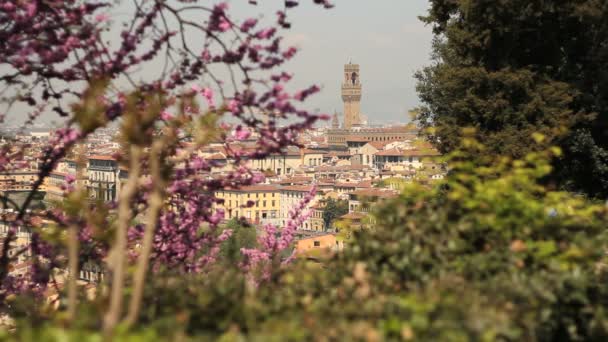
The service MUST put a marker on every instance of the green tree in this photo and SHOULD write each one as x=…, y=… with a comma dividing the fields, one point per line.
x=333, y=210
x=243, y=236
x=515, y=67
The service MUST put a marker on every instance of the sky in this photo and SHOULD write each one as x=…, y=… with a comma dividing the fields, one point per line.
x=385, y=37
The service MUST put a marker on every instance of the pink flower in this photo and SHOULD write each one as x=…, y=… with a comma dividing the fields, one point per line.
x=208, y=95
x=224, y=25
x=71, y=43
x=233, y=106
x=248, y=24
x=258, y=177
x=165, y=115
x=302, y=95
x=206, y=55
x=70, y=179
x=273, y=241
x=290, y=52
x=266, y=33
x=241, y=134
x=31, y=8
x=101, y=17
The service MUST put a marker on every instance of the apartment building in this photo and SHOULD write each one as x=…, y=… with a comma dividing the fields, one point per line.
x=265, y=200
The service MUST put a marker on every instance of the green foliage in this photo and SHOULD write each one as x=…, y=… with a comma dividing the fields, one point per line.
x=487, y=254
x=513, y=68
x=333, y=210
x=243, y=236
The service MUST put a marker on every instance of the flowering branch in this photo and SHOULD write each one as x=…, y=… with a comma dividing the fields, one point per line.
x=273, y=241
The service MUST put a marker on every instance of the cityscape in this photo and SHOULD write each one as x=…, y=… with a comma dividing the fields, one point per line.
x=345, y=161
x=434, y=170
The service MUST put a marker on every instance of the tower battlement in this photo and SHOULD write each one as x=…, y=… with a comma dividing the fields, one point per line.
x=351, y=95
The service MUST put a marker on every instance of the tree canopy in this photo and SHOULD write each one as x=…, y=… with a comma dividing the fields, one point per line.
x=513, y=68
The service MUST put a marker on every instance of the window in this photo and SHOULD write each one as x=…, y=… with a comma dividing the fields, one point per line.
x=273, y=203
x=264, y=203
x=317, y=243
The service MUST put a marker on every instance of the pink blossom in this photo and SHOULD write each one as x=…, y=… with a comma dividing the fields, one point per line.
x=165, y=115
x=102, y=17
x=224, y=25
x=187, y=236
x=233, y=106
x=273, y=241
x=302, y=95
x=196, y=88
x=241, y=133
x=266, y=33
x=248, y=24
x=70, y=178
x=208, y=95
x=31, y=8
x=290, y=52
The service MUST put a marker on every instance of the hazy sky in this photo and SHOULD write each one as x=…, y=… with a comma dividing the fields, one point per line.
x=384, y=36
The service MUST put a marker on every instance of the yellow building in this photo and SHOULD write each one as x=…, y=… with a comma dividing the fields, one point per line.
x=318, y=245
x=53, y=184
x=18, y=180
x=265, y=199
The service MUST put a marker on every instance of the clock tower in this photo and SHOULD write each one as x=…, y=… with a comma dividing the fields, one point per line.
x=351, y=95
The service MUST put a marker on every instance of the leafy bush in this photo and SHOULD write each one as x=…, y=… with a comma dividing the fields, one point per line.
x=488, y=254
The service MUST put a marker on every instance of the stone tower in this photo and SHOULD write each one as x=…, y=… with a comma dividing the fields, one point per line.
x=351, y=95
x=335, y=123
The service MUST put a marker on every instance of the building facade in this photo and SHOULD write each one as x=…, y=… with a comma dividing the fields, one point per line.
x=103, y=178
x=265, y=199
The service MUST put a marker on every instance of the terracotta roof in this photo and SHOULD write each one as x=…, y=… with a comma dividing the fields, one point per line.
x=217, y=156
x=408, y=153
x=63, y=174
x=391, y=152
x=309, y=151
x=256, y=188
x=341, y=168
x=100, y=157
x=347, y=185
x=356, y=139
x=298, y=188
x=294, y=180
x=376, y=193
x=352, y=216
x=425, y=152
x=380, y=144
x=260, y=188
x=336, y=154
x=365, y=184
